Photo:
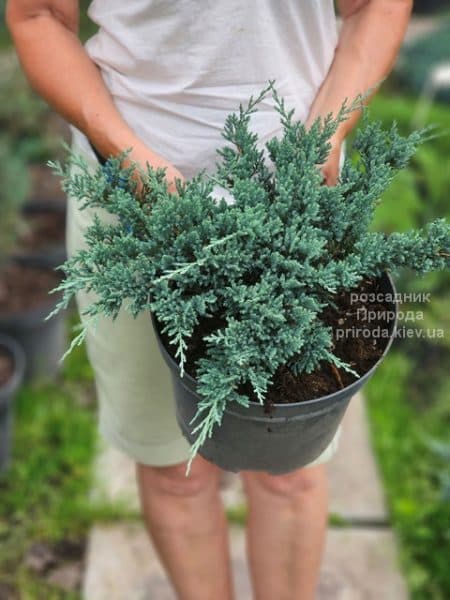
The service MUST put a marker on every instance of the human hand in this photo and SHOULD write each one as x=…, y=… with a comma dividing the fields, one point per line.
x=143, y=156
x=330, y=168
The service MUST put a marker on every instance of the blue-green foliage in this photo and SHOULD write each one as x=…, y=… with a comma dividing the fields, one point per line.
x=267, y=264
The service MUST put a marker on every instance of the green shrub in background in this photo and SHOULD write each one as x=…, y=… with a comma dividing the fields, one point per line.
x=24, y=117
x=406, y=412
x=34, y=130
x=4, y=38
x=13, y=191
x=87, y=27
x=408, y=399
x=418, y=58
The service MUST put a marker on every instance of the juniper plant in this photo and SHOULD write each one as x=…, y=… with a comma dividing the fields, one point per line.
x=267, y=264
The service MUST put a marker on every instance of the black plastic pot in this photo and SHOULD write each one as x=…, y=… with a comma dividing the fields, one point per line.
x=43, y=341
x=51, y=257
x=7, y=394
x=292, y=436
x=424, y=7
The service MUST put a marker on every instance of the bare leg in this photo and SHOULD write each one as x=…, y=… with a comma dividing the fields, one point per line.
x=286, y=532
x=186, y=521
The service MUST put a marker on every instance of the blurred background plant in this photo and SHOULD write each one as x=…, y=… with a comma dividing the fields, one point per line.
x=13, y=191
x=45, y=508
x=409, y=399
x=24, y=117
x=44, y=512
x=418, y=58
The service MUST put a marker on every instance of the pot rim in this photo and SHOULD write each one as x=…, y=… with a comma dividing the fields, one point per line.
x=355, y=384
x=15, y=350
x=35, y=205
x=35, y=314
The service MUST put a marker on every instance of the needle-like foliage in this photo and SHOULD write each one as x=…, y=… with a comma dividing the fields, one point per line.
x=267, y=264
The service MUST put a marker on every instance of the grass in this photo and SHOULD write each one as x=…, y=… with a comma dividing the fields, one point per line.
x=44, y=497
x=404, y=415
x=238, y=515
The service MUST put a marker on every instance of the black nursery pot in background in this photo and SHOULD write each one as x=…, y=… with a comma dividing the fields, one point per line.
x=11, y=351
x=290, y=437
x=43, y=341
x=45, y=247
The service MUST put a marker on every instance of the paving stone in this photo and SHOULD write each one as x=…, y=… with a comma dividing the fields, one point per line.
x=359, y=564
x=114, y=477
x=121, y=563
x=355, y=487
x=67, y=577
x=232, y=490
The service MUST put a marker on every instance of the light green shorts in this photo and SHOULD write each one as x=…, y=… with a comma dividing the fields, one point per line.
x=136, y=410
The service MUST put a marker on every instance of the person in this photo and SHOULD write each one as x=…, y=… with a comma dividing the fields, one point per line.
x=159, y=77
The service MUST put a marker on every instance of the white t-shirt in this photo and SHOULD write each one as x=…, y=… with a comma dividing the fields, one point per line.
x=177, y=68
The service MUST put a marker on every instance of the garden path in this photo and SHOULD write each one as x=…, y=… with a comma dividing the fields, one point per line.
x=360, y=558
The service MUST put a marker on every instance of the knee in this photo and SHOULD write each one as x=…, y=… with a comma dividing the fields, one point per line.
x=172, y=480
x=299, y=482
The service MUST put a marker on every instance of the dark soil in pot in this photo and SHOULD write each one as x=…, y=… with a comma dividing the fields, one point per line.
x=23, y=288
x=42, y=237
x=301, y=414
x=24, y=304
x=360, y=348
x=45, y=185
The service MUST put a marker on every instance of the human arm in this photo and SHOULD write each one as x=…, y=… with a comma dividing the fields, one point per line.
x=45, y=33
x=369, y=41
